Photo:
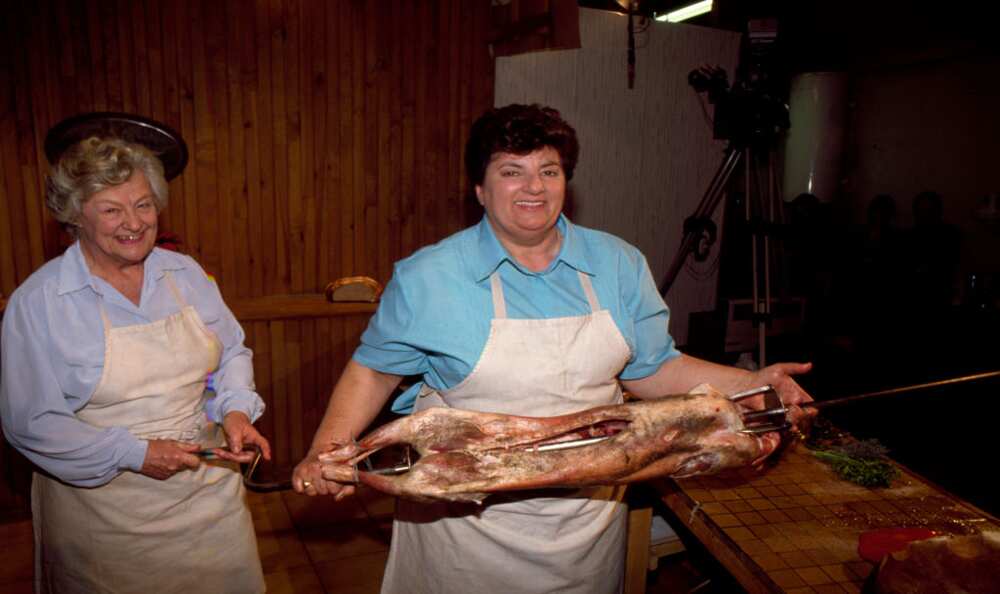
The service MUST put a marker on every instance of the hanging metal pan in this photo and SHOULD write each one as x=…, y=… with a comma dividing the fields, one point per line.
x=165, y=143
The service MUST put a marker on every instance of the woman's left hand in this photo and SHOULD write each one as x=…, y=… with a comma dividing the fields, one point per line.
x=791, y=393
x=240, y=433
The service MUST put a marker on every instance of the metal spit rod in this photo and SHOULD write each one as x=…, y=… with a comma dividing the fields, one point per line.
x=901, y=390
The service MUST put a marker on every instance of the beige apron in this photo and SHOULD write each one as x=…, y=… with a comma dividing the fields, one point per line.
x=567, y=541
x=189, y=534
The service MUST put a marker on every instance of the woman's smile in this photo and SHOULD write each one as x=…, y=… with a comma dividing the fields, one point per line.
x=117, y=226
x=523, y=196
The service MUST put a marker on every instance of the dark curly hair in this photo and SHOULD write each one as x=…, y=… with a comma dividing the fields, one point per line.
x=519, y=130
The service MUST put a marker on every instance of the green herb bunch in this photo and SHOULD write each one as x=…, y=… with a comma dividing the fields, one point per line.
x=863, y=462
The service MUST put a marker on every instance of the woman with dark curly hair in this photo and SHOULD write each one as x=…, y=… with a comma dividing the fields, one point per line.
x=106, y=353
x=523, y=314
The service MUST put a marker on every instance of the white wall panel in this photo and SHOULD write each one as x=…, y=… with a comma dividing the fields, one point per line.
x=647, y=153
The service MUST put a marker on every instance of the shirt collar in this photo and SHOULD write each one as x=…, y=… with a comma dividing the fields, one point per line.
x=491, y=253
x=74, y=274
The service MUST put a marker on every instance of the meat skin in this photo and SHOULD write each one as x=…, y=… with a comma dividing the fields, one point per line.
x=466, y=455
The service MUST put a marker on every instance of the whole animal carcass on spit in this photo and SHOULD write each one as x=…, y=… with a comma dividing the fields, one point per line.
x=465, y=455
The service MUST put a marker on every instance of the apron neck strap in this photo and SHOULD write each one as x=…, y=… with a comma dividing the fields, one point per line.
x=173, y=289
x=500, y=305
x=588, y=290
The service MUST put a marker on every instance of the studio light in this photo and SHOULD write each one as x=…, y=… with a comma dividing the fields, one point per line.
x=689, y=11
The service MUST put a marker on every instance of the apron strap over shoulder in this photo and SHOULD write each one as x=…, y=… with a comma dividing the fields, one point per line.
x=173, y=289
x=499, y=305
x=104, y=316
x=588, y=290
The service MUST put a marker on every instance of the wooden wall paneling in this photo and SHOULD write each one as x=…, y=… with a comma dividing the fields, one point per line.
x=367, y=214
x=12, y=176
x=31, y=195
x=225, y=225
x=262, y=168
x=349, y=81
x=463, y=112
x=420, y=54
x=74, y=56
x=210, y=114
x=401, y=38
x=408, y=127
x=325, y=357
x=249, y=96
x=325, y=140
x=8, y=279
x=313, y=123
x=327, y=145
x=352, y=135
x=162, y=93
x=172, y=219
x=138, y=26
x=453, y=215
x=40, y=113
x=97, y=52
x=26, y=163
x=124, y=54
x=435, y=103
x=61, y=20
x=450, y=60
x=297, y=171
x=308, y=390
x=281, y=446
x=108, y=68
x=295, y=367
x=234, y=220
x=383, y=28
x=279, y=37
x=202, y=145
x=259, y=340
x=8, y=266
x=153, y=15
x=181, y=24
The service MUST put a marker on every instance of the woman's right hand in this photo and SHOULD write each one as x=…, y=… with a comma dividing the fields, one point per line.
x=167, y=457
x=308, y=478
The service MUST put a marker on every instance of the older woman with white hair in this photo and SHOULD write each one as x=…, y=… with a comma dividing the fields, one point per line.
x=106, y=354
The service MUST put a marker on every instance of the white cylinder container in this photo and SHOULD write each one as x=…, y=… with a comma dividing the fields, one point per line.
x=814, y=144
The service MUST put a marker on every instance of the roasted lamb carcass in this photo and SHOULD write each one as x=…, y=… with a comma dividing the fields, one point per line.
x=465, y=455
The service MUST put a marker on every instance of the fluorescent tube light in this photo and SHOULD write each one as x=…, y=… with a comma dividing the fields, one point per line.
x=689, y=11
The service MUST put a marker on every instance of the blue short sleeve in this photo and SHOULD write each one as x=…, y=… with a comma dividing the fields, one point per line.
x=389, y=344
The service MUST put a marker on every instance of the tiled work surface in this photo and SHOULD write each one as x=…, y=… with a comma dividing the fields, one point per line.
x=794, y=527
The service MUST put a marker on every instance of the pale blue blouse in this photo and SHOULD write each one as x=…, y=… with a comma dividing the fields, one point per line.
x=53, y=355
x=434, y=316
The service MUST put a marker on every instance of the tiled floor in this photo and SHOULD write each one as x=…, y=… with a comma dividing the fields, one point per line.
x=315, y=546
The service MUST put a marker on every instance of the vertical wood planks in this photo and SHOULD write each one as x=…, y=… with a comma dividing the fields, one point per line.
x=325, y=140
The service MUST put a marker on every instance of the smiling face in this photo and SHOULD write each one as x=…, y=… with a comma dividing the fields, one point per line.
x=117, y=226
x=523, y=196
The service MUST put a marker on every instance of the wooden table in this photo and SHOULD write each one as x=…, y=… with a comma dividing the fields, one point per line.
x=793, y=528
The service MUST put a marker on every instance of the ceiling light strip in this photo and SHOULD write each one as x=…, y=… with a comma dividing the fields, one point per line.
x=689, y=11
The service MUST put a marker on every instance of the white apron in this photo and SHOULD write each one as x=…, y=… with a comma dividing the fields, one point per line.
x=567, y=540
x=189, y=534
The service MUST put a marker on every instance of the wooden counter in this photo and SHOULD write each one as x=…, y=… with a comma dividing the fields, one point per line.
x=793, y=528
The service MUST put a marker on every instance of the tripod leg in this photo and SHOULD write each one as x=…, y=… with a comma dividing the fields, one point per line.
x=709, y=202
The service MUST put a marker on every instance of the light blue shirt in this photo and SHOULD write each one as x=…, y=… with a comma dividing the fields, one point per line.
x=53, y=355
x=434, y=316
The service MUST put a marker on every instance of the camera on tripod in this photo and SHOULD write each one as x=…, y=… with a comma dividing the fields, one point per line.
x=746, y=113
x=751, y=112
